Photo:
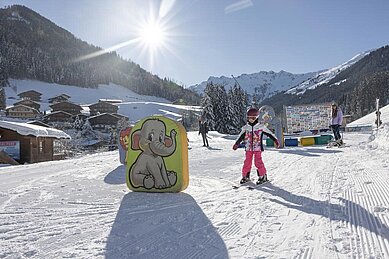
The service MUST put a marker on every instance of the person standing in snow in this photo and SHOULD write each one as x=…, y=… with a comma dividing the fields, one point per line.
x=336, y=122
x=252, y=133
x=203, y=130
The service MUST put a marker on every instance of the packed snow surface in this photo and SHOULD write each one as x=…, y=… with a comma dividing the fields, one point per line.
x=320, y=203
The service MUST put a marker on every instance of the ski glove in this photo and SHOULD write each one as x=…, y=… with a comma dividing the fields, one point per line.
x=277, y=144
x=235, y=146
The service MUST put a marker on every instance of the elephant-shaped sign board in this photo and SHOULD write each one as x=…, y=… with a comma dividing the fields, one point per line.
x=157, y=156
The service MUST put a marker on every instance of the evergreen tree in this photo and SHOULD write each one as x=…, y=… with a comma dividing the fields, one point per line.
x=224, y=112
x=221, y=110
x=2, y=99
x=123, y=123
x=87, y=131
x=78, y=123
x=239, y=103
x=207, y=106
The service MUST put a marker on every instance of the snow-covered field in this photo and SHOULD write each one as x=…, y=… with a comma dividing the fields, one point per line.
x=320, y=203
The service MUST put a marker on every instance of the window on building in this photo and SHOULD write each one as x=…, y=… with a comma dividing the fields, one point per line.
x=59, y=147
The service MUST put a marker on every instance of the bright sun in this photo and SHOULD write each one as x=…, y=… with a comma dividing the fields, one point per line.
x=153, y=35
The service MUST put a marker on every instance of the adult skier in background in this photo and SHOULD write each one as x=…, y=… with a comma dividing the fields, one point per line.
x=336, y=122
x=203, y=130
x=252, y=133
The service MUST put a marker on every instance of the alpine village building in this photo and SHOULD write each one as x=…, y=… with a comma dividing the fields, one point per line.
x=28, y=143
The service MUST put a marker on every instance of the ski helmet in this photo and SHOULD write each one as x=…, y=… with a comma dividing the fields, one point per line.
x=252, y=112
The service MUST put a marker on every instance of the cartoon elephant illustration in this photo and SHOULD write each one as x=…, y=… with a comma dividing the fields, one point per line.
x=149, y=170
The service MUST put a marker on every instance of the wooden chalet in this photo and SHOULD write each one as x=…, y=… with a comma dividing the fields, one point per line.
x=29, y=103
x=58, y=116
x=30, y=143
x=102, y=107
x=30, y=95
x=22, y=111
x=103, y=122
x=66, y=106
x=121, y=116
x=59, y=98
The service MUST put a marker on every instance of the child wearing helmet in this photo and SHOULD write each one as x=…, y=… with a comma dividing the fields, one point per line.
x=252, y=133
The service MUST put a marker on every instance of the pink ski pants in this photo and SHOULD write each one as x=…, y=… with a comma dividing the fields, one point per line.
x=257, y=162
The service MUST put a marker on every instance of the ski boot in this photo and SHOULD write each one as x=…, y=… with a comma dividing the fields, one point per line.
x=245, y=179
x=339, y=143
x=262, y=179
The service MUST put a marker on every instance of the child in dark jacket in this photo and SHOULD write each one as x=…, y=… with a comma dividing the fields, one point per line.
x=252, y=134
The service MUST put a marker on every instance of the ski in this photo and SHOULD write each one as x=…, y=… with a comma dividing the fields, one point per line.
x=257, y=185
x=334, y=144
x=249, y=185
x=341, y=146
x=240, y=186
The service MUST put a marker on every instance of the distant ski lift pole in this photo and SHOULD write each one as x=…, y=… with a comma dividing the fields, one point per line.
x=378, y=121
x=236, y=80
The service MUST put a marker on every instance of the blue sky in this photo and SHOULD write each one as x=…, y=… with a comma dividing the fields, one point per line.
x=213, y=37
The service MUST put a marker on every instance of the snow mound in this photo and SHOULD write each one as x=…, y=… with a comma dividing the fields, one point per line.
x=380, y=138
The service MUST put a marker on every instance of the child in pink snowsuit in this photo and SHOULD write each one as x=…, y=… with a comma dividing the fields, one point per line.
x=252, y=134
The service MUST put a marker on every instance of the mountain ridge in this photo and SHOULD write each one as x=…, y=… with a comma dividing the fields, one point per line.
x=355, y=88
x=260, y=85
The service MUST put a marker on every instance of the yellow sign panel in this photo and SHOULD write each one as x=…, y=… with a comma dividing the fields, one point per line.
x=157, y=156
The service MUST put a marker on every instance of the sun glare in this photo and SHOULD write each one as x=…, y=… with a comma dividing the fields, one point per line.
x=153, y=35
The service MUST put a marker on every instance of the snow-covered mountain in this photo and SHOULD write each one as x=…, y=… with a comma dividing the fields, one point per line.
x=325, y=76
x=266, y=84
x=263, y=84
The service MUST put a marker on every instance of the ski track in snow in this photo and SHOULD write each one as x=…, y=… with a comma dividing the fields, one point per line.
x=320, y=203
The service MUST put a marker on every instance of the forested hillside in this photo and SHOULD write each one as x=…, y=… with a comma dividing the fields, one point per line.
x=32, y=47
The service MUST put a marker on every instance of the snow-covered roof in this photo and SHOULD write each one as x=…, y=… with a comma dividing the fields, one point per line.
x=29, y=129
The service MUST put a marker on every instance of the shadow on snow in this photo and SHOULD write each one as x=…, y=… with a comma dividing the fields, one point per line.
x=348, y=211
x=116, y=176
x=163, y=225
x=307, y=151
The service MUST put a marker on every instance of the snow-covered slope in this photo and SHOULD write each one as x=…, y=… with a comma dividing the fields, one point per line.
x=264, y=84
x=370, y=118
x=325, y=76
x=133, y=105
x=320, y=203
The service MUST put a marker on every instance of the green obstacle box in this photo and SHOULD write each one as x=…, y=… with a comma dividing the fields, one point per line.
x=269, y=142
x=323, y=139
